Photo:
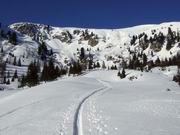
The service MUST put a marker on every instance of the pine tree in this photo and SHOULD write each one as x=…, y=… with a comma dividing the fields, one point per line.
x=8, y=74
x=57, y=72
x=115, y=67
x=90, y=64
x=44, y=74
x=98, y=65
x=119, y=74
x=103, y=65
x=94, y=65
x=14, y=63
x=2, y=50
x=32, y=75
x=152, y=54
x=15, y=74
x=23, y=81
x=42, y=50
x=79, y=67
x=112, y=67
x=4, y=82
x=144, y=59
x=12, y=80
x=2, y=35
x=12, y=38
x=70, y=70
x=8, y=82
x=170, y=39
x=19, y=62
x=123, y=75
x=82, y=54
x=51, y=70
x=168, y=45
x=157, y=62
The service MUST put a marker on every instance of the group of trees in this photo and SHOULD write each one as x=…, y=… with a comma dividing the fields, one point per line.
x=43, y=51
x=34, y=74
x=86, y=60
x=75, y=68
x=10, y=35
x=8, y=78
x=174, y=61
x=138, y=61
x=156, y=40
x=51, y=72
x=14, y=62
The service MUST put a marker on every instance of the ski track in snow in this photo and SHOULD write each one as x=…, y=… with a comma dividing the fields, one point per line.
x=18, y=108
x=77, y=124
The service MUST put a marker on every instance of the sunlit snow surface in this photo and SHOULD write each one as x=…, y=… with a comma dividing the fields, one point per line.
x=147, y=105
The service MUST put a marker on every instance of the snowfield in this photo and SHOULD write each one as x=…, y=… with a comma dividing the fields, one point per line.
x=111, y=42
x=98, y=103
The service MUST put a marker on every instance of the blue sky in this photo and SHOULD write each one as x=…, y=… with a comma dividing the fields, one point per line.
x=90, y=13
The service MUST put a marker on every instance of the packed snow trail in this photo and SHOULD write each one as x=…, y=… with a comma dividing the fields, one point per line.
x=86, y=106
x=78, y=125
x=40, y=110
x=143, y=106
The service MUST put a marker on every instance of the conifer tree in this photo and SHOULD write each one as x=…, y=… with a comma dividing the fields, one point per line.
x=15, y=74
x=144, y=59
x=157, y=62
x=98, y=65
x=23, y=81
x=51, y=70
x=12, y=80
x=2, y=50
x=14, y=63
x=4, y=81
x=32, y=75
x=8, y=82
x=123, y=73
x=103, y=65
x=82, y=54
x=119, y=74
x=44, y=74
x=19, y=62
x=12, y=38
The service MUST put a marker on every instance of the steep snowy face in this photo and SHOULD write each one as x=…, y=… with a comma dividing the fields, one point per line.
x=105, y=45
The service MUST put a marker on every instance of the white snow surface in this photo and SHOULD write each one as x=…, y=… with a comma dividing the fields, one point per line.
x=111, y=42
x=147, y=105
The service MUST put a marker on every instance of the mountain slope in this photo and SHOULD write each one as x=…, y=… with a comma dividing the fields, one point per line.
x=108, y=47
x=125, y=107
x=111, y=43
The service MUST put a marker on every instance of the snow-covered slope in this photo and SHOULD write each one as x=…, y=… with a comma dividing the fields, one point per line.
x=98, y=103
x=106, y=45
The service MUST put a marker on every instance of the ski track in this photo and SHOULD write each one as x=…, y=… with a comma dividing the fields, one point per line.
x=22, y=107
x=77, y=124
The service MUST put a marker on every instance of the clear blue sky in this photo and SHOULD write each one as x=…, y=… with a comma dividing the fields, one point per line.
x=90, y=13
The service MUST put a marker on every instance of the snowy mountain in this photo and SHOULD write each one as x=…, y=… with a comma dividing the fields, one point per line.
x=105, y=45
x=22, y=43
x=96, y=102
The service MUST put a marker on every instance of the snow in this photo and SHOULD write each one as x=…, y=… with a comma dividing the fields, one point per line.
x=139, y=107
x=96, y=103
x=107, y=105
x=112, y=43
